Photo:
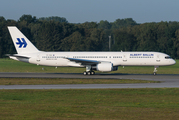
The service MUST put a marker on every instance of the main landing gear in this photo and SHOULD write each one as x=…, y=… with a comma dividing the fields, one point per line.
x=155, y=70
x=88, y=71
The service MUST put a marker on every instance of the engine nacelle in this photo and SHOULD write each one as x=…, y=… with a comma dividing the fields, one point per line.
x=105, y=67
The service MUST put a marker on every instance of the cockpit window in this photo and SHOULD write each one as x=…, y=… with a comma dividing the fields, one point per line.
x=167, y=57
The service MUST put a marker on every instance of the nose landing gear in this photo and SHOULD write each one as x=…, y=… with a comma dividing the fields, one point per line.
x=155, y=70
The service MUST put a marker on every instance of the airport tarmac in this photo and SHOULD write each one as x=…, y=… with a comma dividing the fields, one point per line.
x=168, y=80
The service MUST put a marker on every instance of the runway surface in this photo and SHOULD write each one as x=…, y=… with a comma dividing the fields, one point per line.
x=168, y=81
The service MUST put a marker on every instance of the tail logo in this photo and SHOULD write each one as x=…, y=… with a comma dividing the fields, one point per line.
x=21, y=43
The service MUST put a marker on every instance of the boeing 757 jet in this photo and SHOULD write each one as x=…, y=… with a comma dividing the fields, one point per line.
x=92, y=61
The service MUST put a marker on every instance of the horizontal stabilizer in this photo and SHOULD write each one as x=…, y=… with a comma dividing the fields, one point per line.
x=16, y=55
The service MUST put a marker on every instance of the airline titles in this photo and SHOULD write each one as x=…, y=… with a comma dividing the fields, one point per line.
x=142, y=55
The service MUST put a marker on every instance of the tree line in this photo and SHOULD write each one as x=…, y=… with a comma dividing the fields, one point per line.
x=57, y=34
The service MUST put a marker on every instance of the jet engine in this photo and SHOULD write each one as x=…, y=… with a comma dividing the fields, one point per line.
x=106, y=67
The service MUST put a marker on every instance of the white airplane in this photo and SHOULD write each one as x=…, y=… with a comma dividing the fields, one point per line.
x=93, y=61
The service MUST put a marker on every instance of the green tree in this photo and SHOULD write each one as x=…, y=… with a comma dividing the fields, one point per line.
x=123, y=23
x=75, y=42
x=48, y=36
x=146, y=38
x=176, y=44
x=104, y=24
x=95, y=41
x=54, y=18
x=88, y=25
x=56, y=34
x=28, y=19
x=123, y=41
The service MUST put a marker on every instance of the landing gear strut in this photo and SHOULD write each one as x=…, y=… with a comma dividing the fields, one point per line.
x=155, y=70
x=88, y=71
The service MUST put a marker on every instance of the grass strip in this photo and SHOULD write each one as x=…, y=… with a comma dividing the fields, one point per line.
x=50, y=81
x=124, y=104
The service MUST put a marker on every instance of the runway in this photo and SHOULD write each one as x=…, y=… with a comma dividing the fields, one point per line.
x=168, y=81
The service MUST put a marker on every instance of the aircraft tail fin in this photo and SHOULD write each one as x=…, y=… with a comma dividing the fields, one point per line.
x=21, y=43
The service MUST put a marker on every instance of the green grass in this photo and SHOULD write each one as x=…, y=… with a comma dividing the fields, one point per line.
x=124, y=104
x=7, y=65
x=50, y=81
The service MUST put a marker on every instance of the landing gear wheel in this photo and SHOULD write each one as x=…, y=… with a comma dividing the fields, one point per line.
x=84, y=73
x=89, y=73
x=155, y=73
x=92, y=72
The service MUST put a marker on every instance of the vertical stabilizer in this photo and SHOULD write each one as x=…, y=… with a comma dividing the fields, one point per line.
x=21, y=43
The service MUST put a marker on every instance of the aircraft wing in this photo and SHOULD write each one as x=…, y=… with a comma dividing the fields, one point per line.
x=84, y=62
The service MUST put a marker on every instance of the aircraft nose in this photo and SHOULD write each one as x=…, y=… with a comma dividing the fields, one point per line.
x=173, y=62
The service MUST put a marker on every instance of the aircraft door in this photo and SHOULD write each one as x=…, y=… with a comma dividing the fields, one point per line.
x=124, y=58
x=38, y=58
x=158, y=58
